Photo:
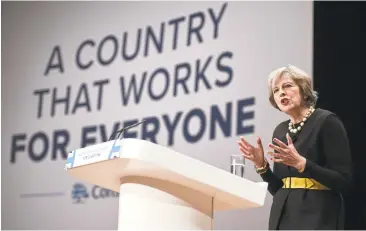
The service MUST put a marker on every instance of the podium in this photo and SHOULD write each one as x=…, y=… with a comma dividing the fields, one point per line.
x=160, y=188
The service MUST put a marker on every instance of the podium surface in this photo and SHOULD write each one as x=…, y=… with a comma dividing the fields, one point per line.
x=161, y=188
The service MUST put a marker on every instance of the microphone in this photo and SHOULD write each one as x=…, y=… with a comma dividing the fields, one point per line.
x=121, y=131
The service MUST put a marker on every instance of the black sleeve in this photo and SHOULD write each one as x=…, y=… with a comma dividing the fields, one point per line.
x=337, y=172
x=274, y=183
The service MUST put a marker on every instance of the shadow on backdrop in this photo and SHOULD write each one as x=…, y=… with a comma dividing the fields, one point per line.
x=339, y=59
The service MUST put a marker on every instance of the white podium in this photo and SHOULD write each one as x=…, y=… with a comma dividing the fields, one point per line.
x=160, y=188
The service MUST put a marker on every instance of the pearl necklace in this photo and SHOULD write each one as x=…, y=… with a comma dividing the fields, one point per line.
x=292, y=127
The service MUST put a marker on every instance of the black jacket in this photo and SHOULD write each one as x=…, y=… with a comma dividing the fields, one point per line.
x=323, y=142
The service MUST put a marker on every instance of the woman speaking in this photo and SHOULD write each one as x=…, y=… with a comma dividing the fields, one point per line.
x=311, y=155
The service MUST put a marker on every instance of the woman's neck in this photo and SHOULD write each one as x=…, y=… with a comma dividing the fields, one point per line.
x=298, y=115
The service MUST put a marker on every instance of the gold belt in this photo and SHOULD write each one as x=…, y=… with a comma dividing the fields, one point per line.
x=305, y=183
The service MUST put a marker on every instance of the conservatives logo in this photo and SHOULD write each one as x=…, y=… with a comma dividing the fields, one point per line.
x=80, y=193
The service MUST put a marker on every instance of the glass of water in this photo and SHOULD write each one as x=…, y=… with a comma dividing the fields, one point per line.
x=237, y=165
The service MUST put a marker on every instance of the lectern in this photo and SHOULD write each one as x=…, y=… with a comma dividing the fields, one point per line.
x=160, y=188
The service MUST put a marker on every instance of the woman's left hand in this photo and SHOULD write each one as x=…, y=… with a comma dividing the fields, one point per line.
x=288, y=154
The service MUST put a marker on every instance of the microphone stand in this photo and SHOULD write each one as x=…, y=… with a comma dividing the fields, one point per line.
x=121, y=131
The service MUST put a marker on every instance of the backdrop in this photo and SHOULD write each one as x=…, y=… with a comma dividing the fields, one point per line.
x=73, y=73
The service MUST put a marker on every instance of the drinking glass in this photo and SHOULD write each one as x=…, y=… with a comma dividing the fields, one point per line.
x=237, y=165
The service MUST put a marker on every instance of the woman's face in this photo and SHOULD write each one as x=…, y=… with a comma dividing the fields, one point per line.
x=286, y=94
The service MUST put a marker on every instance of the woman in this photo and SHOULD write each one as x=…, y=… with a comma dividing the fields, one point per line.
x=311, y=154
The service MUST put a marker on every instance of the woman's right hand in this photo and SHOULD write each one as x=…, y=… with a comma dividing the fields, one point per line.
x=255, y=154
